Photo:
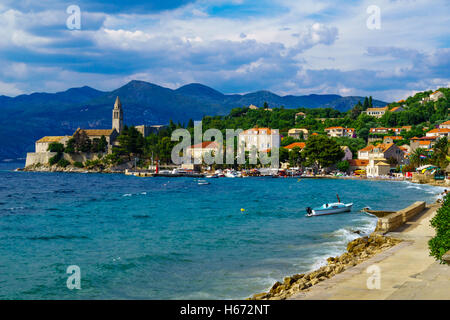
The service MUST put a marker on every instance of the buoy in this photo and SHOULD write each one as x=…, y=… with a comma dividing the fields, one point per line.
x=242, y=209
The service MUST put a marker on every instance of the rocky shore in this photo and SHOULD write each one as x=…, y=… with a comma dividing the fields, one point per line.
x=69, y=168
x=358, y=251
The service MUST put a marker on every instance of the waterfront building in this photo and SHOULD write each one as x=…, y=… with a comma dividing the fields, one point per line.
x=382, y=151
x=358, y=164
x=199, y=151
x=377, y=167
x=42, y=144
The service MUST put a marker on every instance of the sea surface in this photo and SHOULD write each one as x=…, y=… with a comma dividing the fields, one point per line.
x=170, y=238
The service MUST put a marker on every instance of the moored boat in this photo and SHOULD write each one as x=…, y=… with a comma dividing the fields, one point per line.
x=329, y=208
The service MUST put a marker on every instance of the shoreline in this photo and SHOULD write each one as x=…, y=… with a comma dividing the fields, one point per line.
x=358, y=253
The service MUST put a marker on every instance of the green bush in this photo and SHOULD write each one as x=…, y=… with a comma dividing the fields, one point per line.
x=54, y=160
x=63, y=163
x=56, y=147
x=440, y=244
x=78, y=164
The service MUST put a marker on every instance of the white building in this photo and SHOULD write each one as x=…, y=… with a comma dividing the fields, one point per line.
x=435, y=96
x=199, y=151
x=340, y=132
x=43, y=143
x=438, y=132
x=296, y=133
x=263, y=139
x=376, y=112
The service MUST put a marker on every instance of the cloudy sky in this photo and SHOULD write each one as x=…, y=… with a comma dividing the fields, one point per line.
x=235, y=46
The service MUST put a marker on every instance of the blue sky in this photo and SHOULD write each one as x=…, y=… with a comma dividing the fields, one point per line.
x=235, y=46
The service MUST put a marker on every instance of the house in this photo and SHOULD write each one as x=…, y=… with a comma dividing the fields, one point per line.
x=300, y=115
x=340, y=132
x=253, y=107
x=263, y=139
x=382, y=151
x=396, y=109
x=42, y=144
x=423, y=143
x=379, y=130
x=378, y=167
x=435, y=96
x=146, y=130
x=358, y=164
x=396, y=131
x=376, y=112
x=298, y=133
x=391, y=139
x=438, y=132
x=300, y=145
x=445, y=125
x=93, y=134
x=348, y=155
x=199, y=151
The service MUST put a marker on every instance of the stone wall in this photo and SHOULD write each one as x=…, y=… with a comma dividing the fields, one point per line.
x=34, y=158
x=396, y=219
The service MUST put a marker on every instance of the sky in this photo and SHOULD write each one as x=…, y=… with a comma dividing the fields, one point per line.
x=235, y=46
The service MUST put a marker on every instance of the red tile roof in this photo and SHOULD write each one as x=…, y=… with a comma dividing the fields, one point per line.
x=300, y=145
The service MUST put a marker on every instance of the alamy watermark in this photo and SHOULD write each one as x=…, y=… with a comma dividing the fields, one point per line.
x=373, y=22
x=73, y=22
x=374, y=280
x=74, y=280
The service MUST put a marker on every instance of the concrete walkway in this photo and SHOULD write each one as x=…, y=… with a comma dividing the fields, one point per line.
x=406, y=270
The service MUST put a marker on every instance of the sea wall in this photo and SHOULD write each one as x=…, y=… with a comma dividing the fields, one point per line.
x=396, y=219
x=35, y=158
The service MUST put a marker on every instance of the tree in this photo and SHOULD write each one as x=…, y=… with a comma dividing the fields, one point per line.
x=366, y=103
x=99, y=145
x=266, y=105
x=343, y=166
x=131, y=142
x=418, y=158
x=81, y=141
x=56, y=147
x=321, y=151
x=440, y=153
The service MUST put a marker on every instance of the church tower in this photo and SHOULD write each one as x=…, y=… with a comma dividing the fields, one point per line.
x=117, y=120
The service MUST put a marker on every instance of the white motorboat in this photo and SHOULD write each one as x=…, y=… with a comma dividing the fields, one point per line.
x=329, y=208
x=203, y=182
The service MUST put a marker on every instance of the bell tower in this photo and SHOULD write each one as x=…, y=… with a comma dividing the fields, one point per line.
x=117, y=119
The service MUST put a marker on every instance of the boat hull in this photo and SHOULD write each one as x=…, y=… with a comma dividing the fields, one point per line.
x=323, y=212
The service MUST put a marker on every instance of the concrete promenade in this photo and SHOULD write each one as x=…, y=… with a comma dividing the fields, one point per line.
x=406, y=270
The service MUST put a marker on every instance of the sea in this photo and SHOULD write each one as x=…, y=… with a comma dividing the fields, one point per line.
x=171, y=238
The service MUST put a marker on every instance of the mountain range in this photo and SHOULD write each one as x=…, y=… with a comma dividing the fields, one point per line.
x=27, y=118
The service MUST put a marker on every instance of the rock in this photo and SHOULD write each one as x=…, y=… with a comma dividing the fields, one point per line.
x=323, y=278
x=259, y=296
x=275, y=286
x=288, y=281
x=314, y=281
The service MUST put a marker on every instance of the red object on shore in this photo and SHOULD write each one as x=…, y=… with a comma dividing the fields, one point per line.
x=157, y=167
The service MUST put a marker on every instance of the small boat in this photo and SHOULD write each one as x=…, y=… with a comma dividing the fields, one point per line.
x=210, y=176
x=329, y=208
x=203, y=182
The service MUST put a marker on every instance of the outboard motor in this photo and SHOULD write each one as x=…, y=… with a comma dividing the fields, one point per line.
x=309, y=210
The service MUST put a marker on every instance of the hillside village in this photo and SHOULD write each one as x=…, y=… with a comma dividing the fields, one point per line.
x=369, y=141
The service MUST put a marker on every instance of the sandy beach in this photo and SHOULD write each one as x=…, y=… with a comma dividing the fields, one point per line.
x=406, y=270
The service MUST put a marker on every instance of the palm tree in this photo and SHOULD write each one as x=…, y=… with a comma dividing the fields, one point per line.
x=440, y=153
x=417, y=157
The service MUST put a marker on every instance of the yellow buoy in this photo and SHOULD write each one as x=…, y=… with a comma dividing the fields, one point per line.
x=242, y=209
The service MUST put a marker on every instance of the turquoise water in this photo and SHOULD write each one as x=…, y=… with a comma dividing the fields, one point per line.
x=169, y=238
